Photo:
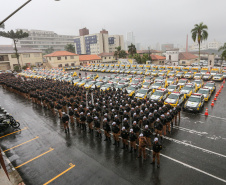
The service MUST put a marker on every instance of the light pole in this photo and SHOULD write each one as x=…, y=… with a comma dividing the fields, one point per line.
x=23, y=5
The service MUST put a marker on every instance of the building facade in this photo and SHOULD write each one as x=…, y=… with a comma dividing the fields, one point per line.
x=27, y=57
x=97, y=43
x=89, y=59
x=107, y=57
x=42, y=40
x=62, y=59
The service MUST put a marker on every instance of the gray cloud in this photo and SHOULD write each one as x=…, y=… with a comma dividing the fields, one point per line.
x=151, y=21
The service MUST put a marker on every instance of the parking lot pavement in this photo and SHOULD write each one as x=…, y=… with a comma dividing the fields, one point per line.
x=193, y=154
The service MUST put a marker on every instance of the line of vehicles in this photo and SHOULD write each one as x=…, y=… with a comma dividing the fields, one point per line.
x=205, y=73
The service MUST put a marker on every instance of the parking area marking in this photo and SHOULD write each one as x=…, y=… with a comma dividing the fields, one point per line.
x=25, y=128
x=72, y=166
x=193, y=146
x=194, y=168
x=51, y=149
x=21, y=144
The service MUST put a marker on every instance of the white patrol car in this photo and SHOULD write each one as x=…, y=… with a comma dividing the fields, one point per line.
x=174, y=99
x=159, y=94
x=210, y=85
x=206, y=93
x=195, y=103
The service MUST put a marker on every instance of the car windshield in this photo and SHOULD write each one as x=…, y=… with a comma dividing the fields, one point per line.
x=219, y=75
x=180, y=73
x=197, y=74
x=204, y=71
x=99, y=83
x=83, y=81
x=146, y=83
x=187, y=88
x=198, y=82
x=172, y=87
x=210, y=85
x=158, y=93
x=120, y=85
x=194, y=99
x=131, y=88
x=173, y=96
x=157, y=84
x=122, y=81
x=202, y=91
x=135, y=81
x=107, y=85
x=142, y=91
x=89, y=83
x=182, y=81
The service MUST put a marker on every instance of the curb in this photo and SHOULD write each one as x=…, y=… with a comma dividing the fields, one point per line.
x=15, y=178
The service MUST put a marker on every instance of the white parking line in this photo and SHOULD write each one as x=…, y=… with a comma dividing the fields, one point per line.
x=194, y=168
x=193, y=146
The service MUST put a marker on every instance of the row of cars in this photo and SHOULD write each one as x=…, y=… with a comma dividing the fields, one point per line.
x=170, y=90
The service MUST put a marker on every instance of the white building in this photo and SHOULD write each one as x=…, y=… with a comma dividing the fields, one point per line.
x=172, y=55
x=214, y=45
x=41, y=40
x=195, y=46
x=97, y=43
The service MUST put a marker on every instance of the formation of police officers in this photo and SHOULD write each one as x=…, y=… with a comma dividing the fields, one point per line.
x=136, y=121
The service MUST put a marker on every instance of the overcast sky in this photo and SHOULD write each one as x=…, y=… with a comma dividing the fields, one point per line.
x=152, y=21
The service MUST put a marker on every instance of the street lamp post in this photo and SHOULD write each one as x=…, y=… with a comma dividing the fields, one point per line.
x=2, y=22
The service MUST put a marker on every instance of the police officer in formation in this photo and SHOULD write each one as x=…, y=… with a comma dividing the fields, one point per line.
x=127, y=119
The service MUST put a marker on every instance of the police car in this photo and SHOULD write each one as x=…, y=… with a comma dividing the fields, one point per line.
x=121, y=86
x=195, y=103
x=210, y=85
x=207, y=76
x=199, y=83
x=180, y=74
x=143, y=93
x=172, y=88
x=188, y=89
x=107, y=86
x=98, y=85
x=147, y=84
x=182, y=82
x=198, y=76
x=218, y=77
x=171, y=81
x=131, y=90
x=189, y=75
x=206, y=93
x=171, y=73
x=159, y=95
x=89, y=84
x=156, y=85
x=174, y=99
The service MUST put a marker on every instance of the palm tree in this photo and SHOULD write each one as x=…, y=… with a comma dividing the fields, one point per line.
x=116, y=53
x=70, y=48
x=132, y=49
x=19, y=34
x=199, y=33
x=223, y=49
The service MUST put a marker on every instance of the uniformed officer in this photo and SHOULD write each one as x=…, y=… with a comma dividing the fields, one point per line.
x=132, y=139
x=107, y=129
x=65, y=120
x=158, y=127
x=142, y=145
x=71, y=115
x=116, y=132
x=89, y=120
x=156, y=152
x=147, y=134
x=125, y=137
x=97, y=127
x=82, y=121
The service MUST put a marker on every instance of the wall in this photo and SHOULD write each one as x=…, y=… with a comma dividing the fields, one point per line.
x=174, y=55
x=55, y=62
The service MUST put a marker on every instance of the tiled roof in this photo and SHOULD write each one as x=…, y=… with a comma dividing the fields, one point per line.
x=187, y=56
x=10, y=50
x=88, y=57
x=157, y=57
x=60, y=53
x=147, y=51
x=105, y=54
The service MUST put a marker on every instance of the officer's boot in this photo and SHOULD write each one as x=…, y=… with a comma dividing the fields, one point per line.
x=80, y=125
x=105, y=138
x=68, y=130
x=89, y=130
x=97, y=134
x=161, y=138
x=65, y=130
x=84, y=127
x=127, y=147
x=109, y=139
x=114, y=143
x=118, y=143
x=135, y=150
x=123, y=146
x=131, y=150
x=77, y=124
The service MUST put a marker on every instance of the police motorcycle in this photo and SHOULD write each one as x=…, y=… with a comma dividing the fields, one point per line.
x=6, y=120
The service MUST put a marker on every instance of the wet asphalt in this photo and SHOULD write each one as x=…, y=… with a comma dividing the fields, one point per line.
x=194, y=153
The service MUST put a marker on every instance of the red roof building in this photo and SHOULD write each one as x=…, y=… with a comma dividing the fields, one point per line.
x=89, y=59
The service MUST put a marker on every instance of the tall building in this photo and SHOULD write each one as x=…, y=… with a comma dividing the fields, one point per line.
x=130, y=39
x=83, y=31
x=98, y=43
x=40, y=39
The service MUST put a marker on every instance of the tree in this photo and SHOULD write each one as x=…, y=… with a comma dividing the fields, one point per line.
x=70, y=48
x=132, y=49
x=223, y=54
x=49, y=50
x=144, y=58
x=137, y=57
x=119, y=53
x=199, y=33
x=19, y=34
x=2, y=26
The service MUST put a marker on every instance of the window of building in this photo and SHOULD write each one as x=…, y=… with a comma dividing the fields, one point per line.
x=49, y=58
x=169, y=57
x=65, y=58
x=58, y=58
x=183, y=62
x=72, y=57
x=105, y=57
x=4, y=58
x=13, y=56
x=26, y=55
x=66, y=65
x=109, y=57
x=60, y=65
x=72, y=64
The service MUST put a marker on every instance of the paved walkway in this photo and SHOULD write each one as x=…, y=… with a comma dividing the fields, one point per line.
x=4, y=178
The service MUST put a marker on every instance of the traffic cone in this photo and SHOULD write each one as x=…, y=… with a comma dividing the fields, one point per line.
x=224, y=81
x=217, y=94
x=220, y=90
x=222, y=86
x=206, y=112
x=212, y=104
x=215, y=98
